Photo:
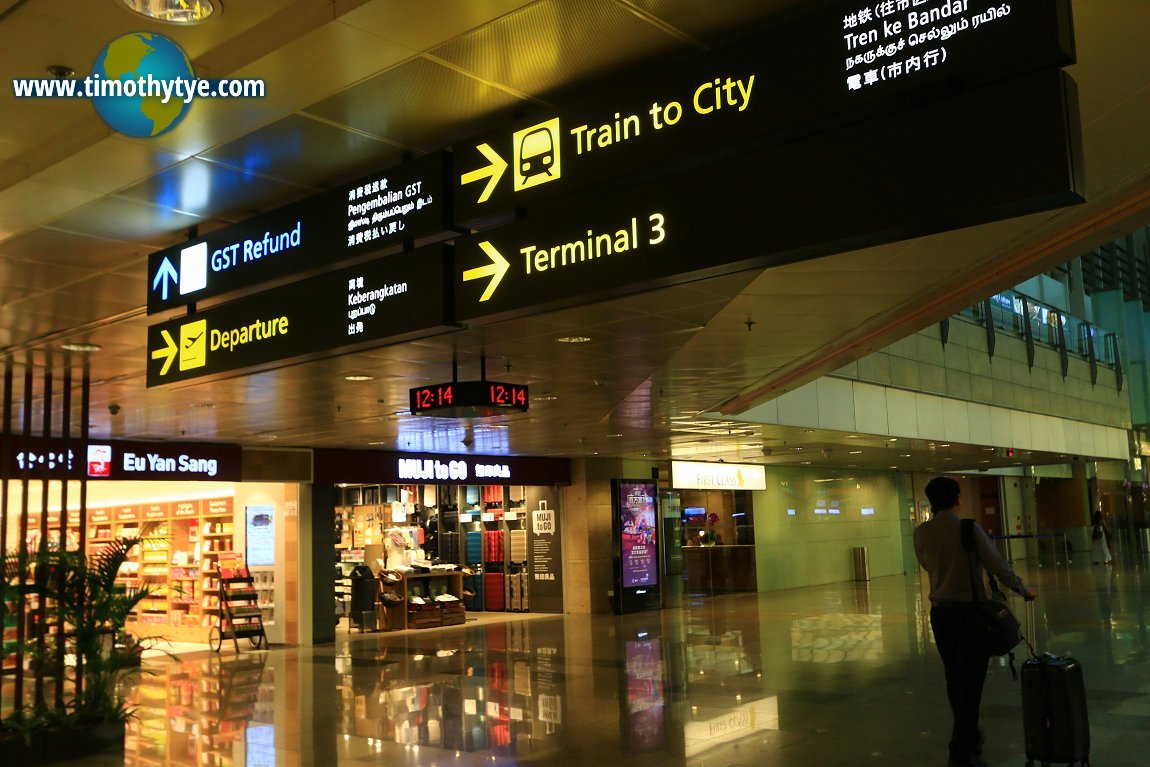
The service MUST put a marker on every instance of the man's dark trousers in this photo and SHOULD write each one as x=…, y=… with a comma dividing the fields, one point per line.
x=955, y=626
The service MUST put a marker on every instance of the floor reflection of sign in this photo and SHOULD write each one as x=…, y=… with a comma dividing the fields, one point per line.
x=732, y=725
x=260, y=748
x=261, y=536
x=645, y=698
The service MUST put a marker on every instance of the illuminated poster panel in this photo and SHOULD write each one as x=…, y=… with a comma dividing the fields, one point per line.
x=636, y=545
x=638, y=532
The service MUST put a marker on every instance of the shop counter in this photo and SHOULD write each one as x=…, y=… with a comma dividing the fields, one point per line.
x=720, y=569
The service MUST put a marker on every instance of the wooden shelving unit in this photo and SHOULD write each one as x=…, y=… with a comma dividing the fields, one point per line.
x=240, y=614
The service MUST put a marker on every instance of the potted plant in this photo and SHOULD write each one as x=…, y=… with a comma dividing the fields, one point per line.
x=94, y=609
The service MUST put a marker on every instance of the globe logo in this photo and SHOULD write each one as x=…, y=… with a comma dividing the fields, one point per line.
x=135, y=111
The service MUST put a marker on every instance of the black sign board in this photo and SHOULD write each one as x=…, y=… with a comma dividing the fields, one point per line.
x=96, y=459
x=469, y=399
x=381, y=467
x=381, y=210
x=392, y=298
x=544, y=525
x=826, y=69
x=1004, y=150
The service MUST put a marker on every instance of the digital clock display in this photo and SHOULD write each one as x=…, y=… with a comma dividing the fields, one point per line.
x=468, y=399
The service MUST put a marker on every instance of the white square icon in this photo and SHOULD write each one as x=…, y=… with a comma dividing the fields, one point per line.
x=193, y=268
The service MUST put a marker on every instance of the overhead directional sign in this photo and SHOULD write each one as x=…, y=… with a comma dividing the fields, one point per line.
x=1008, y=149
x=386, y=208
x=840, y=65
x=393, y=298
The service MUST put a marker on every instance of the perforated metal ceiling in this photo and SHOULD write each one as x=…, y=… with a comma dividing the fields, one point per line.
x=355, y=85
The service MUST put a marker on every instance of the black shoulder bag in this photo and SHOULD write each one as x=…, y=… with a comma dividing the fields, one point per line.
x=1000, y=630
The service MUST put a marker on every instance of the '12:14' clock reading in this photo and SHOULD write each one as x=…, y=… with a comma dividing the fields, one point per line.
x=503, y=394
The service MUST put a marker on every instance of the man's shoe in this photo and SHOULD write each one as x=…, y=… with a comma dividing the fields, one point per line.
x=976, y=749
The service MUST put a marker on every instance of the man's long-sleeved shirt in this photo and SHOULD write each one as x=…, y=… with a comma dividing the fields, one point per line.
x=938, y=546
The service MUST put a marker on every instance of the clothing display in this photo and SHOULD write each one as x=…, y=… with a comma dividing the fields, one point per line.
x=432, y=557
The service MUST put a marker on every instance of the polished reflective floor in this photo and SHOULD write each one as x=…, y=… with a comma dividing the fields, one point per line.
x=844, y=674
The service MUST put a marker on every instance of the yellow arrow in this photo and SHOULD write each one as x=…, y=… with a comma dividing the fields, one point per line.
x=495, y=270
x=494, y=170
x=167, y=354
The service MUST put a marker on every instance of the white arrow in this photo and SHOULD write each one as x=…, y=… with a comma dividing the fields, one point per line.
x=165, y=274
x=495, y=270
x=494, y=170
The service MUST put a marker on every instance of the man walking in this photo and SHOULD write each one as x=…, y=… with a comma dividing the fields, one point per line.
x=953, y=615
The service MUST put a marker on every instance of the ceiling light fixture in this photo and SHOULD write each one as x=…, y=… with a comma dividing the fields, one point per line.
x=78, y=347
x=544, y=398
x=856, y=452
x=358, y=377
x=573, y=339
x=174, y=11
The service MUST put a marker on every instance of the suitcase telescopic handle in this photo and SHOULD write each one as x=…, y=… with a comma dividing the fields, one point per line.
x=1031, y=627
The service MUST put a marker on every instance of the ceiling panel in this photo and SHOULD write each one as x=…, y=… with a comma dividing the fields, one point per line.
x=557, y=43
x=122, y=218
x=301, y=150
x=715, y=23
x=418, y=104
x=55, y=246
x=207, y=190
x=421, y=24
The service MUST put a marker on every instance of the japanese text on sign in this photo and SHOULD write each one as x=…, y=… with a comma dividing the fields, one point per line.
x=897, y=38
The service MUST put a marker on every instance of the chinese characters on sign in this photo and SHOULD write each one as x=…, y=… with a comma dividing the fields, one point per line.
x=897, y=38
x=375, y=210
x=362, y=301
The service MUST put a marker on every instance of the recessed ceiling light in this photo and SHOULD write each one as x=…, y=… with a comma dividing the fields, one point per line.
x=905, y=455
x=573, y=339
x=944, y=445
x=614, y=436
x=892, y=467
x=805, y=463
x=856, y=452
x=851, y=436
x=544, y=398
x=893, y=439
x=808, y=431
x=358, y=377
x=173, y=11
x=376, y=443
x=81, y=347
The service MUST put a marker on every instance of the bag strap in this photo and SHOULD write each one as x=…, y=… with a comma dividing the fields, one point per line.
x=966, y=528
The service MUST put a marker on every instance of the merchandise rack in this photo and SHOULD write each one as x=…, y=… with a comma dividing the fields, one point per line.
x=240, y=613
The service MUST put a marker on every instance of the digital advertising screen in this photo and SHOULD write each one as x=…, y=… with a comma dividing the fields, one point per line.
x=639, y=553
x=261, y=535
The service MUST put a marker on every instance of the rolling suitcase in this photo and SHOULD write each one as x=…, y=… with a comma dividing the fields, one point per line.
x=494, y=595
x=1055, y=723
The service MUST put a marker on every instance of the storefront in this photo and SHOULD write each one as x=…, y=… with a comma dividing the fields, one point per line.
x=709, y=525
x=187, y=504
x=412, y=530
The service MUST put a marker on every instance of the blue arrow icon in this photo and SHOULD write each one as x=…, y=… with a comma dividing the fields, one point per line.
x=165, y=274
